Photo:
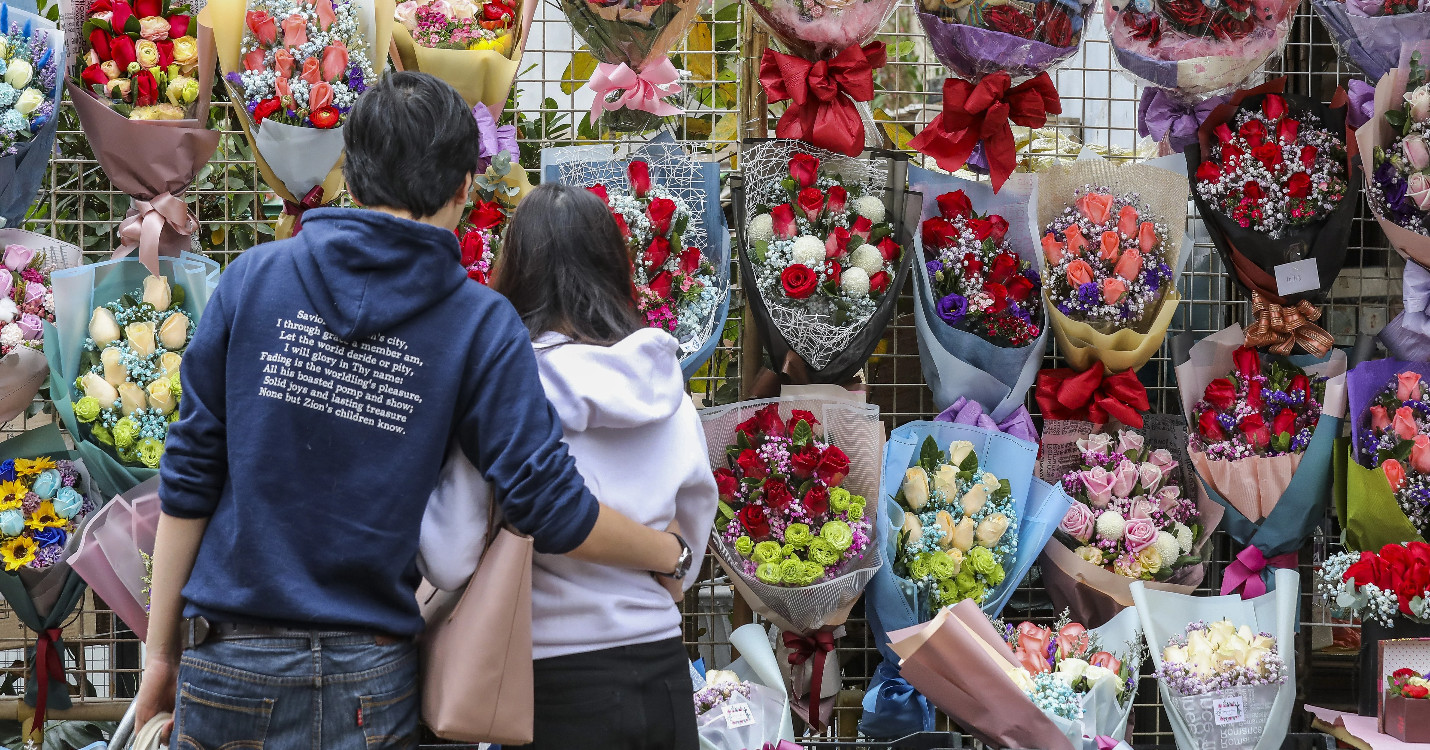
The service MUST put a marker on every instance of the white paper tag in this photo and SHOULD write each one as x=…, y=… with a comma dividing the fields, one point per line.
x=1301, y=276
x=737, y=714
x=1229, y=711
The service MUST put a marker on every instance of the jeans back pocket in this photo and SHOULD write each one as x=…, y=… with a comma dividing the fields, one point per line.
x=207, y=720
x=389, y=720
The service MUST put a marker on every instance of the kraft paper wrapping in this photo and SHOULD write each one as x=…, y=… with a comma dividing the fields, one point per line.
x=225, y=19
x=482, y=76
x=1377, y=133
x=1165, y=193
x=960, y=662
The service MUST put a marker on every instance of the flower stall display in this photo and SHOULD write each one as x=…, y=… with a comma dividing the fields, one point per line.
x=1372, y=33
x=298, y=70
x=115, y=350
x=137, y=63
x=1264, y=433
x=495, y=192
x=823, y=241
x=988, y=47
x=962, y=519
x=1228, y=651
x=634, y=80
x=1112, y=248
x=34, y=63
x=744, y=705
x=474, y=45
x=1383, y=472
x=1275, y=187
x=796, y=521
x=26, y=303
x=115, y=552
x=667, y=206
x=978, y=296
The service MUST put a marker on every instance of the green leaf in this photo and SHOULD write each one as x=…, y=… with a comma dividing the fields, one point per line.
x=762, y=249
x=970, y=462
x=742, y=442
x=1396, y=118
x=802, y=434
x=879, y=232
x=930, y=457
x=177, y=295
x=583, y=64
x=726, y=511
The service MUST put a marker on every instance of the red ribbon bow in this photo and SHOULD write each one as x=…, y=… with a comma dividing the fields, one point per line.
x=48, y=667
x=822, y=95
x=1244, y=573
x=818, y=645
x=1092, y=395
x=981, y=112
x=313, y=199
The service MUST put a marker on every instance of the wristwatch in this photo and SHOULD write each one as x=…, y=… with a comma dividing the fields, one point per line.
x=682, y=564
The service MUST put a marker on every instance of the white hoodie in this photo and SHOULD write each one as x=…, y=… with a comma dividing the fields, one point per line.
x=638, y=443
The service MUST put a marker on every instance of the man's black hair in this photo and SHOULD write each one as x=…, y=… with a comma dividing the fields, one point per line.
x=411, y=141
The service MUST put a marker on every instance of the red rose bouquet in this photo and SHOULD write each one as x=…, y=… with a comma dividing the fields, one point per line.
x=1379, y=586
x=1195, y=48
x=142, y=59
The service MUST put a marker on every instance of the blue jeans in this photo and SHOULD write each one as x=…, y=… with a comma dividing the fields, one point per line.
x=344, y=692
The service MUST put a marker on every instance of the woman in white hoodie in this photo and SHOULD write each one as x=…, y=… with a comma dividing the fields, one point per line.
x=611, y=670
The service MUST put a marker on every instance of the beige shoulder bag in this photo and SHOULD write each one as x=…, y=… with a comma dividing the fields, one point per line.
x=476, y=652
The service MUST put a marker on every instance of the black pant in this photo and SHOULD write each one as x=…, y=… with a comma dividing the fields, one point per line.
x=626, y=698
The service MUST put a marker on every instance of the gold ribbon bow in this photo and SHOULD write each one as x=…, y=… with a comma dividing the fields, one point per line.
x=1281, y=328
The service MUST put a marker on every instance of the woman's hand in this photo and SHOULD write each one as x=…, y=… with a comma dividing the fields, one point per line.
x=674, y=586
x=156, y=692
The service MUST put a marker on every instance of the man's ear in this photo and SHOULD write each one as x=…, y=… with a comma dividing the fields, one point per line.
x=465, y=191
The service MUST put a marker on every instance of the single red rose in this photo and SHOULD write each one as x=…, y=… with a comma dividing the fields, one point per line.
x=266, y=109
x=837, y=199
x=621, y=225
x=1299, y=186
x=816, y=501
x=837, y=243
x=1187, y=12
x=1231, y=156
x=1404, y=672
x=121, y=12
x=99, y=42
x=486, y=214
x=1004, y=266
x=1273, y=106
x=1413, y=691
x=752, y=518
x=121, y=48
x=178, y=26
x=799, y=281
x=1009, y=20
x=1146, y=27
x=783, y=219
x=833, y=272
x=769, y=422
x=1253, y=132
x=1254, y=429
x=890, y=249
x=1000, y=227
x=166, y=53
x=972, y=265
x=982, y=228
x=1208, y=170
x=146, y=89
x=1220, y=393
x=660, y=285
x=495, y=11
x=938, y=233
x=1284, y=422
x=1054, y=24
x=639, y=174
x=833, y=467
x=1223, y=133
x=879, y=282
x=804, y=169
x=1247, y=361
x=955, y=204
x=656, y=253
x=801, y=415
x=600, y=191
x=1308, y=156
x=93, y=76
x=777, y=494
x=726, y=484
x=477, y=275
x=1253, y=395
x=811, y=202
x=101, y=6
x=861, y=228
x=1020, y=288
x=147, y=8
x=804, y=462
x=1269, y=154
x=660, y=212
x=690, y=260
x=1252, y=191
x=1286, y=130
x=751, y=465
x=325, y=117
x=1209, y=428
x=472, y=247
x=999, y=294
x=1227, y=27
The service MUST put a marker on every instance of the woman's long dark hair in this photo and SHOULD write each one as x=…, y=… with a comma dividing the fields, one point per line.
x=564, y=266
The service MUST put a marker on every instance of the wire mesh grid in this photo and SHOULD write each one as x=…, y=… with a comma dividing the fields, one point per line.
x=720, y=61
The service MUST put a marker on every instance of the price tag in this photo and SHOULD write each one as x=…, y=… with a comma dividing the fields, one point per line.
x=737, y=714
x=1301, y=276
x=1229, y=711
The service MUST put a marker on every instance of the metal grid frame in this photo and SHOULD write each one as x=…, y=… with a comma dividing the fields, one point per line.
x=78, y=204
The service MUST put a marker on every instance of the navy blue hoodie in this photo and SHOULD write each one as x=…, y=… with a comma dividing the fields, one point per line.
x=326, y=379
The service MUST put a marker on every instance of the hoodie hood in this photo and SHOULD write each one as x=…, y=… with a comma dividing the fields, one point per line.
x=367, y=272
x=632, y=383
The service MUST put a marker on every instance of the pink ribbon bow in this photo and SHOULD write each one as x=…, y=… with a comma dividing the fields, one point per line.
x=1244, y=573
x=1107, y=743
x=144, y=226
x=782, y=745
x=644, y=91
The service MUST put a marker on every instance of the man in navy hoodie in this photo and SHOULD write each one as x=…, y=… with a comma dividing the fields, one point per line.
x=324, y=382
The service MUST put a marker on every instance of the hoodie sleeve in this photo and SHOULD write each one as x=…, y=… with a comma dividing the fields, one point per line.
x=195, y=465
x=511, y=433
x=698, y=499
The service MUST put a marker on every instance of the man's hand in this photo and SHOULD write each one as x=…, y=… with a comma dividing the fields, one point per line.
x=156, y=691
x=674, y=586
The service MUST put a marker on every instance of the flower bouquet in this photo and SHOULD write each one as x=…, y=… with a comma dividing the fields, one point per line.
x=141, y=89
x=114, y=553
x=964, y=523
x=822, y=243
x=1405, y=714
x=33, y=57
x=1372, y=33
x=1134, y=517
x=298, y=70
x=48, y=498
x=1383, y=485
x=1112, y=247
x=1224, y=663
x=631, y=42
x=495, y=193
x=978, y=297
x=1194, y=48
x=114, y=351
x=1275, y=187
x=667, y=206
x=987, y=46
x=474, y=45
x=1069, y=673
x=1265, y=429
x=26, y=304
x=795, y=526
x=744, y=705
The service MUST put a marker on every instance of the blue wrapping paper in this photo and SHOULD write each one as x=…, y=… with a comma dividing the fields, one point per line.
x=889, y=600
x=1372, y=43
x=958, y=363
x=22, y=172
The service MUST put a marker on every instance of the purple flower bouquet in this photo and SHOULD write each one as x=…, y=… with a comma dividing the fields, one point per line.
x=1371, y=32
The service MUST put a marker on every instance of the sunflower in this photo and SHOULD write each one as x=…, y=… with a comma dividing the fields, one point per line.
x=31, y=466
x=45, y=517
x=17, y=552
x=12, y=494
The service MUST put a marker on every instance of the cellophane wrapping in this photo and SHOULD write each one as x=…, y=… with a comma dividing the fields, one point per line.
x=1369, y=37
x=1196, y=48
x=973, y=39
